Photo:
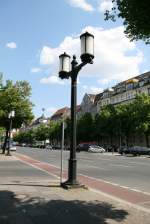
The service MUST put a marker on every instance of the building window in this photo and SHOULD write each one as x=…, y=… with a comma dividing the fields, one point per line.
x=129, y=86
x=141, y=83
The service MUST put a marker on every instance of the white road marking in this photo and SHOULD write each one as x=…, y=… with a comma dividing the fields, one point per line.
x=36, y=167
x=121, y=200
x=97, y=167
x=106, y=159
x=120, y=165
x=87, y=160
x=139, y=163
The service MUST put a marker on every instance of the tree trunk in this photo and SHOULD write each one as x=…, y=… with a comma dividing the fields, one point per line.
x=127, y=140
x=5, y=142
x=147, y=140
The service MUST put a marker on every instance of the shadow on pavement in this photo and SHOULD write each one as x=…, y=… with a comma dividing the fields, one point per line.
x=32, y=185
x=22, y=209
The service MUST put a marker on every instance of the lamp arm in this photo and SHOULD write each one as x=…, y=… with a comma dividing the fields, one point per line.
x=76, y=69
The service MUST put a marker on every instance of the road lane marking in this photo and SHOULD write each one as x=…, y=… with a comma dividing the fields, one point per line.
x=91, y=161
x=121, y=200
x=139, y=163
x=106, y=159
x=36, y=167
x=120, y=165
x=115, y=184
x=97, y=167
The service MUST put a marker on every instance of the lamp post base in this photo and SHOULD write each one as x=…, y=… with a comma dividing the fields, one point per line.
x=72, y=185
x=8, y=154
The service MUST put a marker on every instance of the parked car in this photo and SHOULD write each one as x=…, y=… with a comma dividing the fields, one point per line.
x=12, y=148
x=82, y=147
x=56, y=147
x=96, y=148
x=123, y=150
x=89, y=148
x=135, y=150
x=49, y=147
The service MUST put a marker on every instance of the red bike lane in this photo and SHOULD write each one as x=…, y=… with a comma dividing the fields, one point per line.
x=125, y=194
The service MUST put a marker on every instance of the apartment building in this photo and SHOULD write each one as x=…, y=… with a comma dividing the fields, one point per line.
x=87, y=105
x=126, y=91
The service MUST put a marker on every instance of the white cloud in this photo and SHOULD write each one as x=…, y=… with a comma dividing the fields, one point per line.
x=92, y=89
x=47, y=55
x=85, y=87
x=52, y=80
x=82, y=4
x=95, y=90
x=116, y=58
x=35, y=70
x=51, y=110
x=11, y=45
x=103, y=81
x=104, y=5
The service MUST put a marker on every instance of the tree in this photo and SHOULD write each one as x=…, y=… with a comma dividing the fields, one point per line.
x=67, y=131
x=126, y=120
x=54, y=132
x=106, y=123
x=41, y=133
x=141, y=107
x=85, y=128
x=27, y=136
x=135, y=15
x=15, y=97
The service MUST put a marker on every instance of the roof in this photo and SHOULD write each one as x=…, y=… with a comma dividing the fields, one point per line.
x=78, y=108
x=60, y=112
x=132, y=81
x=98, y=97
x=138, y=78
x=91, y=96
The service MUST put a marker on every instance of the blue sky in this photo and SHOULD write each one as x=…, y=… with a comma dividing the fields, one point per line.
x=34, y=32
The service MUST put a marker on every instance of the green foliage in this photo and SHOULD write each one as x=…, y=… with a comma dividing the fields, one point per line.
x=41, y=133
x=15, y=97
x=54, y=131
x=141, y=107
x=85, y=128
x=120, y=122
x=135, y=15
x=25, y=137
x=67, y=131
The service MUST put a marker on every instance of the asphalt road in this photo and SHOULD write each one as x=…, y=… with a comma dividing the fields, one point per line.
x=127, y=171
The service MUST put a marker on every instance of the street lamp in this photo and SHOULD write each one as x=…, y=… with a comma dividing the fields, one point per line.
x=71, y=69
x=10, y=116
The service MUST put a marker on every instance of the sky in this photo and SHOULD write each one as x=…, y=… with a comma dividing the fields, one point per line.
x=33, y=33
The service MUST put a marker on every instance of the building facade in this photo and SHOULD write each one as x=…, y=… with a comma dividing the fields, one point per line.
x=126, y=91
x=87, y=105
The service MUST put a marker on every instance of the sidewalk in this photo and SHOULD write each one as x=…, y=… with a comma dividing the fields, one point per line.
x=31, y=196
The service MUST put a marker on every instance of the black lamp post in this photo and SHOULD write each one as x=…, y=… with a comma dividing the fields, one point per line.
x=66, y=70
x=10, y=116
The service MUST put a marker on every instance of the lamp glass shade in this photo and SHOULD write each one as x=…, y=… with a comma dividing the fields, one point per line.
x=87, y=47
x=64, y=63
x=12, y=113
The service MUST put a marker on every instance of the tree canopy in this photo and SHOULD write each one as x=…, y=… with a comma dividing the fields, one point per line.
x=135, y=15
x=114, y=125
x=15, y=96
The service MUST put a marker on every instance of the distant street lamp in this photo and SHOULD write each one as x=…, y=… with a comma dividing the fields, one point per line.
x=10, y=116
x=66, y=70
